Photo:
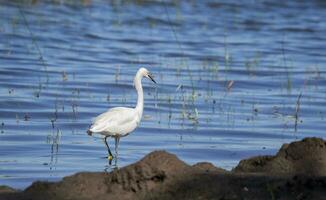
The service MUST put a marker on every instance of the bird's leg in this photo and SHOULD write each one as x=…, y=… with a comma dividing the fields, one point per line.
x=117, y=139
x=109, y=151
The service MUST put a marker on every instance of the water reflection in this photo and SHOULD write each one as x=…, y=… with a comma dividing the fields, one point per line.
x=54, y=140
x=111, y=166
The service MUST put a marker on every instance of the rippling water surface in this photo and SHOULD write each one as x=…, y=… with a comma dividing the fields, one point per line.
x=229, y=76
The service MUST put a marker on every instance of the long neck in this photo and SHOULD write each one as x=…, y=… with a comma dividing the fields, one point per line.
x=139, y=88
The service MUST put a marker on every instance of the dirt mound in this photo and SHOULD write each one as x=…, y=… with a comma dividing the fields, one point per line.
x=5, y=189
x=135, y=181
x=306, y=157
x=161, y=175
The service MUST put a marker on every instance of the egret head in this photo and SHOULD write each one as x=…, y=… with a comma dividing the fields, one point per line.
x=144, y=72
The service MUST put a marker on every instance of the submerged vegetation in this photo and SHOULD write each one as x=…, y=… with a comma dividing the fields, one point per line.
x=193, y=87
x=210, y=83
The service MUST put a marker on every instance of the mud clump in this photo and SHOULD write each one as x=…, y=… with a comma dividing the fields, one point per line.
x=306, y=157
x=5, y=189
x=297, y=171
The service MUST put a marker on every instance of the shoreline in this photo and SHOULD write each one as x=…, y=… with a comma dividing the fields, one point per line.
x=297, y=171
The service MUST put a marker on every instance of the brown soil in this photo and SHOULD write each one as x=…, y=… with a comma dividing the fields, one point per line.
x=306, y=157
x=297, y=171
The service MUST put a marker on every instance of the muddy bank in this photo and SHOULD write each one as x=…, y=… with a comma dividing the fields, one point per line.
x=297, y=171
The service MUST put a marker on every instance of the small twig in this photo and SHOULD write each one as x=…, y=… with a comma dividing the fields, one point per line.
x=230, y=84
x=34, y=41
x=296, y=115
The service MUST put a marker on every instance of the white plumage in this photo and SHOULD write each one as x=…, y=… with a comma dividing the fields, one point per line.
x=120, y=121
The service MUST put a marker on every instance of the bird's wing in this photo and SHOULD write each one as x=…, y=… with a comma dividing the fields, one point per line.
x=112, y=118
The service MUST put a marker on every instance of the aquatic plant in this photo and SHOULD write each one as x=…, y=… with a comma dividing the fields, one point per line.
x=297, y=110
x=2, y=127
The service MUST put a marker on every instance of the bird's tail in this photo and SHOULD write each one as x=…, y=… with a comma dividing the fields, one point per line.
x=89, y=132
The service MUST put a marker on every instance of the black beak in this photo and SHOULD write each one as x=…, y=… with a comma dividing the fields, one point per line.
x=151, y=77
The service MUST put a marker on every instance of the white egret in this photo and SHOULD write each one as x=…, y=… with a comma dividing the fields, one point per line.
x=120, y=121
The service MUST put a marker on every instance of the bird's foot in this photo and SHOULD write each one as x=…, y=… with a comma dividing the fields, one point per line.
x=110, y=158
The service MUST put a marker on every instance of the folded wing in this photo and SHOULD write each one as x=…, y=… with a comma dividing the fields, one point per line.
x=119, y=120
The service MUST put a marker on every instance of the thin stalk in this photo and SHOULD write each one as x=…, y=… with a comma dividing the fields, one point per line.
x=297, y=110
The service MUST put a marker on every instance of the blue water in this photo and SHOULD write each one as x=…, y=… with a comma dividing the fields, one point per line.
x=229, y=77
